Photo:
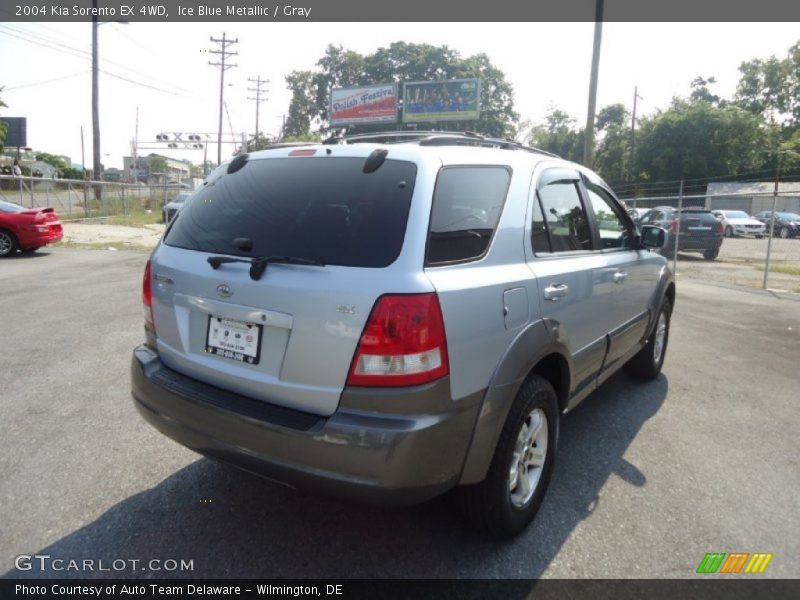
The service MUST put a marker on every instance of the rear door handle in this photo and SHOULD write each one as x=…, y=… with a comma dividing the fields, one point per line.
x=620, y=277
x=555, y=292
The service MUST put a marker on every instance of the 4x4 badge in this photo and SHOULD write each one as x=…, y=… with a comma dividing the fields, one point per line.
x=224, y=290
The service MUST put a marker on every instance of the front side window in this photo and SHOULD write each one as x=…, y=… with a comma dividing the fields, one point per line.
x=563, y=217
x=611, y=226
x=466, y=208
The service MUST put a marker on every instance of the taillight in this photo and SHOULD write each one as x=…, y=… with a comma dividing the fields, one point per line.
x=147, y=300
x=403, y=343
x=720, y=227
x=673, y=226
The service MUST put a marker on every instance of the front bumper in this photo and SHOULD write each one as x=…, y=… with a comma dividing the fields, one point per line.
x=385, y=458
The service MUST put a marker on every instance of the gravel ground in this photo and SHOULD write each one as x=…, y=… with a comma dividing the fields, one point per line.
x=116, y=236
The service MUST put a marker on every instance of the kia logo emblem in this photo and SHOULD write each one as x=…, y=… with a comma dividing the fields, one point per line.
x=224, y=290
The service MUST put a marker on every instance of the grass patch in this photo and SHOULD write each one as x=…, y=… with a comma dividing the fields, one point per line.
x=779, y=268
x=137, y=219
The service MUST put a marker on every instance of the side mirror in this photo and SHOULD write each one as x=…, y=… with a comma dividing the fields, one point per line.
x=653, y=237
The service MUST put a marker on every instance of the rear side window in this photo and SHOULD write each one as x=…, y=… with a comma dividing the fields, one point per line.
x=467, y=205
x=324, y=209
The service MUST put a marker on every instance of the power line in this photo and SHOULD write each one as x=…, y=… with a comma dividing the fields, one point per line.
x=224, y=53
x=50, y=44
x=46, y=81
x=258, y=91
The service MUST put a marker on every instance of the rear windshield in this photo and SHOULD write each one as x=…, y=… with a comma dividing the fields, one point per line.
x=319, y=208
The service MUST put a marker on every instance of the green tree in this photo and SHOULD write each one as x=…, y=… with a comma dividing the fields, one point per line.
x=53, y=160
x=400, y=61
x=303, y=105
x=771, y=87
x=613, y=146
x=157, y=164
x=559, y=135
x=701, y=92
x=697, y=140
x=258, y=142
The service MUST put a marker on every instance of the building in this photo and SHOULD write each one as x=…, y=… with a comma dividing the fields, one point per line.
x=151, y=169
x=753, y=197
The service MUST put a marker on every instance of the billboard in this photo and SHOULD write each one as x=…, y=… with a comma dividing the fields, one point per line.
x=368, y=104
x=451, y=100
x=16, y=132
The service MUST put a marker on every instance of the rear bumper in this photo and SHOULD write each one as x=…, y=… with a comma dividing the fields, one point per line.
x=697, y=244
x=378, y=457
x=35, y=239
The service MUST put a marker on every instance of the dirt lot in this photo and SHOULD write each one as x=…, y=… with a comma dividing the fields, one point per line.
x=118, y=237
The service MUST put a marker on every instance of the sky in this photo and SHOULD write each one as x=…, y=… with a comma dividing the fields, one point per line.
x=163, y=70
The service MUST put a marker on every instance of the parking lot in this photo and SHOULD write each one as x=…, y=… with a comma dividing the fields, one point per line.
x=649, y=477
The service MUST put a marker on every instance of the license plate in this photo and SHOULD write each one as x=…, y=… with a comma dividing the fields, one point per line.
x=235, y=340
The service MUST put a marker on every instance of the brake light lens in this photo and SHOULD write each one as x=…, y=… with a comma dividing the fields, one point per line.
x=302, y=153
x=720, y=227
x=673, y=226
x=403, y=343
x=147, y=300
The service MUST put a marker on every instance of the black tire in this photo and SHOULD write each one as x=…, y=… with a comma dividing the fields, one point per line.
x=711, y=253
x=8, y=243
x=644, y=364
x=487, y=506
x=729, y=231
x=30, y=250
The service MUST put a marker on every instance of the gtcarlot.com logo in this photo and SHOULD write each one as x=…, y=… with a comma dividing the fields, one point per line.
x=734, y=562
x=46, y=562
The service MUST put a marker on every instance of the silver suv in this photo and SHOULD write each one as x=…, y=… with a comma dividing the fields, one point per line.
x=393, y=320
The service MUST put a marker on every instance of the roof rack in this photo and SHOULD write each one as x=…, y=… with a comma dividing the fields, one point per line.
x=436, y=138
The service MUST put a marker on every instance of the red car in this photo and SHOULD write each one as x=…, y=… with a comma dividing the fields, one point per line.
x=27, y=229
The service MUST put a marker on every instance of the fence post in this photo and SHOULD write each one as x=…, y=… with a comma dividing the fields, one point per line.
x=771, y=230
x=677, y=231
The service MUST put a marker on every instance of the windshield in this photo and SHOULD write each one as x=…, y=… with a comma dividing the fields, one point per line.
x=318, y=208
x=735, y=214
x=10, y=207
x=789, y=216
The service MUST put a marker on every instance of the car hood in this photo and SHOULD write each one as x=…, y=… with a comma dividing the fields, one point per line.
x=743, y=221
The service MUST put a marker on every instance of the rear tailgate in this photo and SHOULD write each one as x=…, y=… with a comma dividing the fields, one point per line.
x=289, y=336
x=700, y=226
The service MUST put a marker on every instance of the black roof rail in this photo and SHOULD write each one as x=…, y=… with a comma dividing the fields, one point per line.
x=436, y=138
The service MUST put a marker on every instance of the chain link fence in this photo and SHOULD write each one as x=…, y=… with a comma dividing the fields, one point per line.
x=759, y=234
x=75, y=199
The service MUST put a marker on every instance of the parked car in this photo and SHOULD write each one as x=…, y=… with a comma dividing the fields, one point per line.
x=700, y=230
x=383, y=321
x=27, y=229
x=787, y=225
x=637, y=213
x=738, y=222
x=172, y=207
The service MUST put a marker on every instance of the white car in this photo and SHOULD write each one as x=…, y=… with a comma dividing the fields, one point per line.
x=738, y=222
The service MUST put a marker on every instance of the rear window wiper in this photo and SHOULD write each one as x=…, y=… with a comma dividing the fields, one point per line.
x=259, y=264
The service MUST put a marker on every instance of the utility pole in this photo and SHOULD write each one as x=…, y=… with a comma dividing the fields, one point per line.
x=636, y=96
x=258, y=99
x=222, y=50
x=588, y=146
x=95, y=99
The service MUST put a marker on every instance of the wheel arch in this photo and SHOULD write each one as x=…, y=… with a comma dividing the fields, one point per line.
x=534, y=352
